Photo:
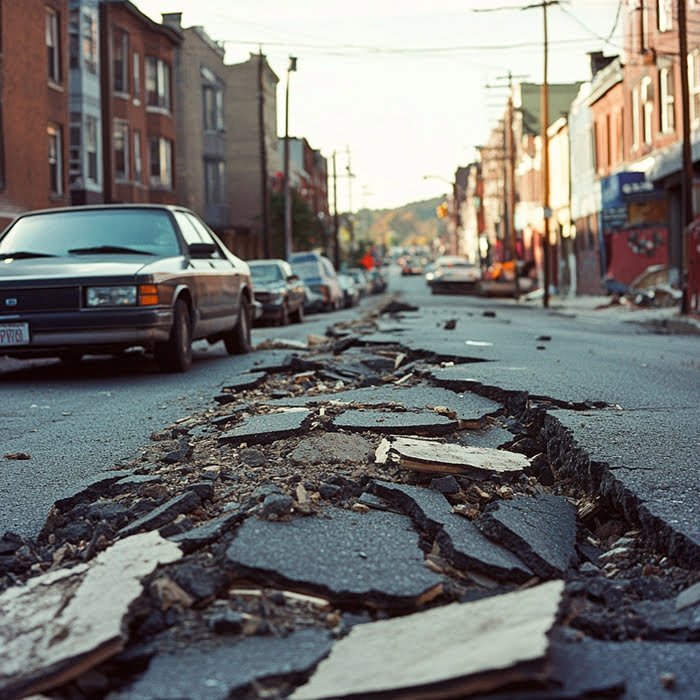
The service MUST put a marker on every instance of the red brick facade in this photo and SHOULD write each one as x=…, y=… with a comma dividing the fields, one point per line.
x=138, y=126
x=34, y=106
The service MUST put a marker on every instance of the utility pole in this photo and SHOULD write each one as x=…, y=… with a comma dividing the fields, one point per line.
x=336, y=231
x=544, y=123
x=264, y=194
x=287, y=191
x=351, y=225
x=688, y=175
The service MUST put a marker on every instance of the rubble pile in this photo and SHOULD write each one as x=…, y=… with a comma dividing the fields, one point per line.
x=340, y=524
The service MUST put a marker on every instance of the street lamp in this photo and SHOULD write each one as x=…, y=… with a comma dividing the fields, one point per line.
x=287, y=191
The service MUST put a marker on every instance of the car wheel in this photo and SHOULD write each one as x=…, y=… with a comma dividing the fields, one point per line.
x=283, y=320
x=237, y=340
x=298, y=315
x=175, y=355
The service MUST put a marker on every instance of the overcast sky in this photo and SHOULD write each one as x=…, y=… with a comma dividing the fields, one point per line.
x=403, y=84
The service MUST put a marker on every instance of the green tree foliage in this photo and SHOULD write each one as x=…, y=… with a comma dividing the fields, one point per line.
x=307, y=230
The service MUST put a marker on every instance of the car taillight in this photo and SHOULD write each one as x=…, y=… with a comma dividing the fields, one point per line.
x=326, y=293
x=148, y=295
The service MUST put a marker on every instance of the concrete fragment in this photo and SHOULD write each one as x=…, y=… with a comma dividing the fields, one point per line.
x=276, y=504
x=56, y=626
x=179, y=505
x=541, y=529
x=208, y=532
x=265, y=428
x=324, y=556
x=450, y=651
x=434, y=456
x=445, y=484
x=218, y=671
x=688, y=597
x=249, y=380
x=461, y=542
x=397, y=422
x=333, y=448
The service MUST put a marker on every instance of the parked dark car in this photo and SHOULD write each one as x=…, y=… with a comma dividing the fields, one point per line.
x=320, y=277
x=279, y=290
x=377, y=280
x=362, y=281
x=101, y=279
x=351, y=294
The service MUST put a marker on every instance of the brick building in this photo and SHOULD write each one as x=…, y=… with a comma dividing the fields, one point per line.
x=138, y=126
x=33, y=106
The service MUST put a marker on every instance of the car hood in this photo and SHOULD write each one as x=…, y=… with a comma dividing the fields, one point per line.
x=268, y=286
x=84, y=267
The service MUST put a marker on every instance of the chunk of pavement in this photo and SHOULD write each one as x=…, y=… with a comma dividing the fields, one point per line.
x=440, y=457
x=181, y=453
x=445, y=484
x=423, y=423
x=454, y=650
x=252, y=457
x=90, y=490
x=540, y=529
x=179, y=505
x=276, y=504
x=333, y=448
x=688, y=597
x=249, y=380
x=265, y=428
x=218, y=671
x=461, y=542
x=57, y=626
x=209, y=532
x=631, y=669
x=372, y=558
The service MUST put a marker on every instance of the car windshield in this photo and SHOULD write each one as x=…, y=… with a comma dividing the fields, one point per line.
x=93, y=232
x=306, y=269
x=265, y=273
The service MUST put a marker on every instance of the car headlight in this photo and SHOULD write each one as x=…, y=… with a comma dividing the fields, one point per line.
x=112, y=296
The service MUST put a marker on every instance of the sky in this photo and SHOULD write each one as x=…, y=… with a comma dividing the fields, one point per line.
x=401, y=90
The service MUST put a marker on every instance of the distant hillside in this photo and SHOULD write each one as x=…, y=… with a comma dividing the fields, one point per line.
x=411, y=224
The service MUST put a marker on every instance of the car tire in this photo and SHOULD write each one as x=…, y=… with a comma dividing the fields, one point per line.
x=237, y=340
x=283, y=319
x=175, y=355
x=298, y=315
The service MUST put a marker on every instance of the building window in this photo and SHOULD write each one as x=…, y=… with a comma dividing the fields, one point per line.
x=161, y=162
x=214, y=181
x=55, y=160
x=89, y=41
x=664, y=14
x=635, y=119
x=91, y=149
x=120, y=61
x=138, y=161
x=2, y=148
x=694, y=81
x=120, y=140
x=53, y=47
x=213, y=98
x=667, y=106
x=157, y=83
x=646, y=98
x=136, y=76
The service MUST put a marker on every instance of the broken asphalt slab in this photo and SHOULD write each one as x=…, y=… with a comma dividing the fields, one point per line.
x=461, y=543
x=620, y=454
x=214, y=672
x=540, y=528
x=370, y=558
x=333, y=448
x=451, y=651
x=466, y=406
x=449, y=458
x=404, y=422
x=265, y=428
x=56, y=626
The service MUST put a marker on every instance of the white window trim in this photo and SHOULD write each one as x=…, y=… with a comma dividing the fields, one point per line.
x=694, y=85
x=667, y=101
x=53, y=43
x=647, y=102
x=664, y=15
x=54, y=133
x=123, y=125
x=636, y=130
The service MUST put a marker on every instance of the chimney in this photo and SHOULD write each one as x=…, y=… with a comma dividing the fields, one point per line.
x=172, y=19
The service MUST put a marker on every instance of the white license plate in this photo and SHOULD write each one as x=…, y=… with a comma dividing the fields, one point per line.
x=14, y=334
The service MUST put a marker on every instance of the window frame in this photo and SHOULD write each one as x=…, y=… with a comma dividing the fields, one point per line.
x=136, y=76
x=216, y=167
x=664, y=15
x=646, y=98
x=53, y=45
x=120, y=67
x=164, y=178
x=667, y=101
x=56, y=185
x=158, y=84
x=636, y=122
x=92, y=157
x=120, y=127
x=138, y=157
x=694, y=85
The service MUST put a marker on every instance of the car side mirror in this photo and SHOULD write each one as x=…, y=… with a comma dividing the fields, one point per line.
x=201, y=250
x=293, y=278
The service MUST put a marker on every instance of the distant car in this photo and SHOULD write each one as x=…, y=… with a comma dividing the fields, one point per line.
x=412, y=266
x=362, y=280
x=279, y=290
x=105, y=278
x=351, y=294
x=377, y=280
x=320, y=277
x=429, y=272
x=455, y=274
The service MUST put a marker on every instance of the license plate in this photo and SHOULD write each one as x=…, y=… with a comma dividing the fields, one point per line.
x=14, y=334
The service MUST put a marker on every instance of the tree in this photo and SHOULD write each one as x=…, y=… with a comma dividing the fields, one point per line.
x=308, y=231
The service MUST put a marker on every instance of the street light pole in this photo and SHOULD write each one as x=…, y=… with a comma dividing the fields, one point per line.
x=545, y=161
x=287, y=191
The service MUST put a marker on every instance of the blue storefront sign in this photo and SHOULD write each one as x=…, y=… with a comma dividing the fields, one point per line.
x=618, y=191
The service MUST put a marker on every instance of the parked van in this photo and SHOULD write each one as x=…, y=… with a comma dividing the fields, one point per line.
x=320, y=277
